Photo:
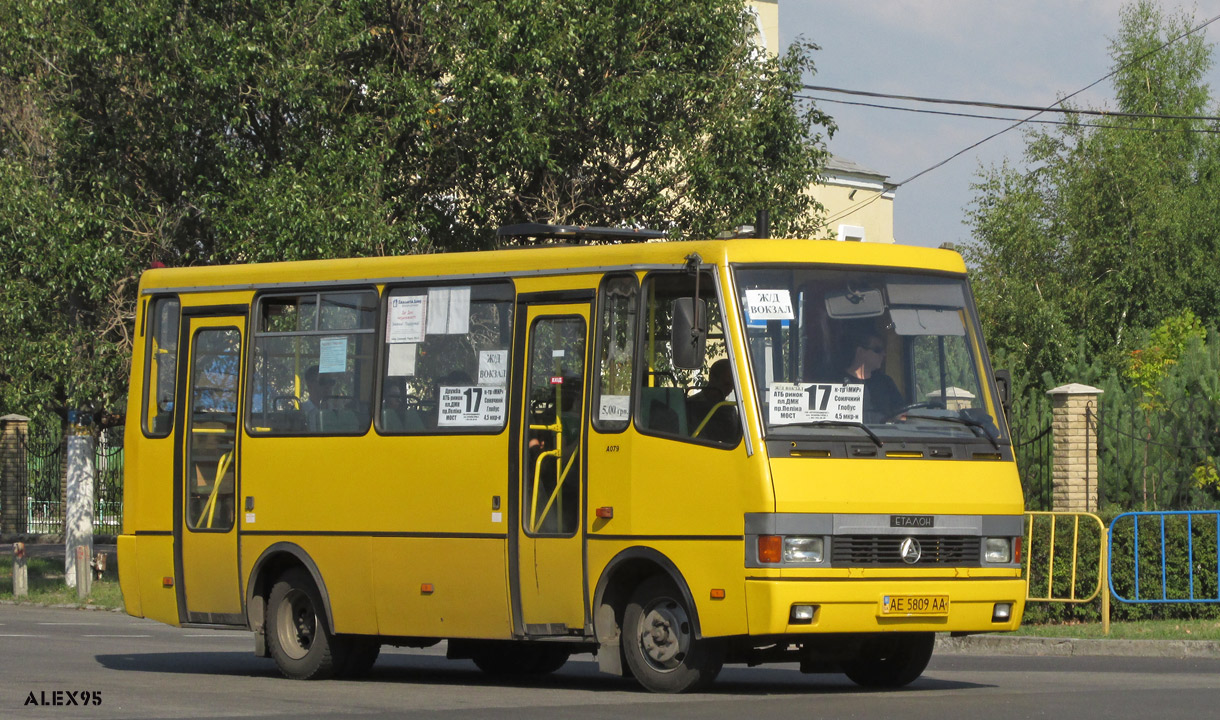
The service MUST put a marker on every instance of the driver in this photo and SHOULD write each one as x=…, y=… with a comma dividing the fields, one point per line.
x=882, y=399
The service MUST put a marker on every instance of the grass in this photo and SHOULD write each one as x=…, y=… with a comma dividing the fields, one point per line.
x=1134, y=630
x=47, y=586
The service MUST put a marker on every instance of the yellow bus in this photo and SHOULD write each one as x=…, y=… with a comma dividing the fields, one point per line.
x=672, y=455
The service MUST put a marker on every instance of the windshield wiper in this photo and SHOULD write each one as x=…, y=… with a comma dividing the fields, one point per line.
x=962, y=420
x=835, y=423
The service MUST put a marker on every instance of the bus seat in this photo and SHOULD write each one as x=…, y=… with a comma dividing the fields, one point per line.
x=663, y=409
x=338, y=421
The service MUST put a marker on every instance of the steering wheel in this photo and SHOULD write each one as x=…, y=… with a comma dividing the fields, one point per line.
x=926, y=404
x=296, y=402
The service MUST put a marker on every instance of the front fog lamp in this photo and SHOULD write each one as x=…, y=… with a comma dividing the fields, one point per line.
x=997, y=550
x=803, y=549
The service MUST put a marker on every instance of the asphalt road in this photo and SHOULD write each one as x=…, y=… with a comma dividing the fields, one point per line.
x=113, y=666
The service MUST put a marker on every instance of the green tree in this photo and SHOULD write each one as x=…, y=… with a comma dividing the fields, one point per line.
x=1112, y=227
x=205, y=132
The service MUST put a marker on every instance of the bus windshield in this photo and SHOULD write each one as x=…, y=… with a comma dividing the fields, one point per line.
x=882, y=356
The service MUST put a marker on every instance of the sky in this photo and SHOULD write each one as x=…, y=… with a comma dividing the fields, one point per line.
x=1025, y=52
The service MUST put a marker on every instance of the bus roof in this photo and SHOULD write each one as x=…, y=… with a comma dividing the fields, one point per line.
x=546, y=260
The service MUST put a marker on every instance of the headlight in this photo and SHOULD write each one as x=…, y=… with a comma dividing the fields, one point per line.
x=997, y=550
x=803, y=549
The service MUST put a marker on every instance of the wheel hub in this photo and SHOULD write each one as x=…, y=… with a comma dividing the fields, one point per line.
x=665, y=635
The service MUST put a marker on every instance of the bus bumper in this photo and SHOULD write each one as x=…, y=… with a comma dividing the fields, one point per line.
x=869, y=606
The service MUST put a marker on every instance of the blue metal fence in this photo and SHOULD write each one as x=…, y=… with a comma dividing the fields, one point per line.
x=1187, y=554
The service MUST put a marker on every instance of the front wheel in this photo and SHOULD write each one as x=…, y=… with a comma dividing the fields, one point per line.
x=891, y=661
x=659, y=641
x=300, y=642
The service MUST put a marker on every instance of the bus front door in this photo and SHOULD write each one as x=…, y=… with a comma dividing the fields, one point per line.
x=205, y=528
x=549, y=577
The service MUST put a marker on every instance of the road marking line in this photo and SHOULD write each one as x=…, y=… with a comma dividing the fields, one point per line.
x=225, y=636
x=115, y=636
x=69, y=623
x=20, y=635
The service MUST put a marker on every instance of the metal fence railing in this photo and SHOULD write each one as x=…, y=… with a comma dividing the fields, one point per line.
x=1187, y=540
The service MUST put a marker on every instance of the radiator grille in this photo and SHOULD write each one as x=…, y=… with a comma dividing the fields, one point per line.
x=881, y=550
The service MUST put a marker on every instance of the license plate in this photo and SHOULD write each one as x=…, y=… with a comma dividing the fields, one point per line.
x=907, y=605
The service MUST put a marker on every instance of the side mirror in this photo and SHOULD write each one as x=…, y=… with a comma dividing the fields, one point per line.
x=1003, y=384
x=689, y=333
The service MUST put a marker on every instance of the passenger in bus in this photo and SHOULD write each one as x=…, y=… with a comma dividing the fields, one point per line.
x=317, y=392
x=882, y=399
x=720, y=424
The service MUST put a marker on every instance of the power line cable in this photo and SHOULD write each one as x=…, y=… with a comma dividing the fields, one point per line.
x=976, y=116
x=1005, y=106
x=1052, y=106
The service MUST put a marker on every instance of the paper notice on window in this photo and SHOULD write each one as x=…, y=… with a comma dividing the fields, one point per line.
x=493, y=367
x=769, y=304
x=449, y=311
x=405, y=320
x=468, y=406
x=332, y=355
x=815, y=402
x=614, y=408
x=400, y=362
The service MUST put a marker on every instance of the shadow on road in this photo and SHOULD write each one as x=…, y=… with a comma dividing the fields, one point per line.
x=400, y=667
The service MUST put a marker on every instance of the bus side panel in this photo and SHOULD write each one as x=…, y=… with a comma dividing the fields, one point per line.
x=345, y=566
x=422, y=507
x=441, y=587
x=704, y=566
x=144, y=563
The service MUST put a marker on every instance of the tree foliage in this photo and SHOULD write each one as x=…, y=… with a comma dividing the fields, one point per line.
x=208, y=132
x=1113, y=227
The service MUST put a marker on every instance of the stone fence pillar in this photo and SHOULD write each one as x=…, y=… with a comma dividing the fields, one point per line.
x=14, y=430
x=1074, y=433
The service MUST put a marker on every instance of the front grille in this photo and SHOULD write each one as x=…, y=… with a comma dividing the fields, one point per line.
x=885, y=550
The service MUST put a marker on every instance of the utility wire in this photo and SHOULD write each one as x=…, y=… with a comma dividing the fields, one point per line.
x=976, y=116
x=1052, y=106
x=1005, y=106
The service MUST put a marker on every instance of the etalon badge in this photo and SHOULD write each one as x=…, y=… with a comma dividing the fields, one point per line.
x=910, y=551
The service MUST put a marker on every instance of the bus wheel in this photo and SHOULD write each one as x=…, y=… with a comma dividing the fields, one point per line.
x=362, y=653
x=660, y=644
x=891, y=661
x=508, y=659
x=300, y=643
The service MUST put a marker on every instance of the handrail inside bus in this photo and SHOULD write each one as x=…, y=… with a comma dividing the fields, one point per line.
x=210, y=506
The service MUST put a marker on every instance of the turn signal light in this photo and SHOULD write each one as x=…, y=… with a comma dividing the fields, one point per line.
x=770, y=548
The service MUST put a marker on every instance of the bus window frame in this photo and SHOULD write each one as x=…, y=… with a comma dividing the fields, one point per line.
x=255, y=333
x=641, y=362
x=599, y=342
x=151, y=326
x=505, y=283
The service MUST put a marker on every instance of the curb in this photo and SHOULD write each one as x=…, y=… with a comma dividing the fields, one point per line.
x=1075, y=647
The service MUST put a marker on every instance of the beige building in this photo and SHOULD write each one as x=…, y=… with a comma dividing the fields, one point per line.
x=859, y=202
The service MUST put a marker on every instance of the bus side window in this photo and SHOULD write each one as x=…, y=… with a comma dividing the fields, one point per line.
x=161, y=366
x=696, y=405
x=312, y=367
x=615, y=353
x=445, y=366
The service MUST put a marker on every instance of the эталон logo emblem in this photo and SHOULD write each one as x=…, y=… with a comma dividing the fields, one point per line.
x=910, y=551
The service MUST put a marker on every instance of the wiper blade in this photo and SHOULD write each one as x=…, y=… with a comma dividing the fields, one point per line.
x=961, y=420
x=835, y=423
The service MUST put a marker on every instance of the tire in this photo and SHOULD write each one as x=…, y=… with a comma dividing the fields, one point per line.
x=519, y=659
x=362, y=652
x=891, y=661
x=297, y=633
x=659, y=641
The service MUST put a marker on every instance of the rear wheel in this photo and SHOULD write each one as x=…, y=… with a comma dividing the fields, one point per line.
x=891, y=661
x=297, y=635
x=659, y=641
